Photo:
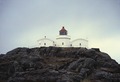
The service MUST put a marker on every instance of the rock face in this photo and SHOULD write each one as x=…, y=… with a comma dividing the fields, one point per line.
x=58, y=65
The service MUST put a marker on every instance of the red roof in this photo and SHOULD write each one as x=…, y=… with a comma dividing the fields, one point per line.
x=63, y=29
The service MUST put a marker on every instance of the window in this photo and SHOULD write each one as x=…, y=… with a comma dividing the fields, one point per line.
x=62, y=43
x=80, y=44
x=44, y=43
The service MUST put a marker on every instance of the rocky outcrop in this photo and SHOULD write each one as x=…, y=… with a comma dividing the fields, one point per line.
x=54, y=64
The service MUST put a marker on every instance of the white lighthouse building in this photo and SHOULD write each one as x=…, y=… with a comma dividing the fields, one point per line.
x=46, y=42
x=63, y=40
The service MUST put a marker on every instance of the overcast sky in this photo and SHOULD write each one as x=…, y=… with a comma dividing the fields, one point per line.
x=23, y=22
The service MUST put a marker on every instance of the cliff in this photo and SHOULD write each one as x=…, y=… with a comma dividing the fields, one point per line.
x=58, y=65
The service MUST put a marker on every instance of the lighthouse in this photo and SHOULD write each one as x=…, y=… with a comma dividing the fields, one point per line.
x=63, y=39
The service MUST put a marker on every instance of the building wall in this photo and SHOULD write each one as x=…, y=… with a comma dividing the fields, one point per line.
x=80, y=43
x=63, y=41
x=45, y=43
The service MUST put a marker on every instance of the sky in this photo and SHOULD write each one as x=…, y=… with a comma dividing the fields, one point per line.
x=23, y=22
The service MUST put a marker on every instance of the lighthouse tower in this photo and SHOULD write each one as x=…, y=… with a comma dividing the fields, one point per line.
x=63, y=40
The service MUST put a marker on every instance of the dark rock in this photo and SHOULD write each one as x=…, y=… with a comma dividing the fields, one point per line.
x=84, y=72
x=89, y=63
x=55, y=64
x=107, y=76
x=96, y=49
